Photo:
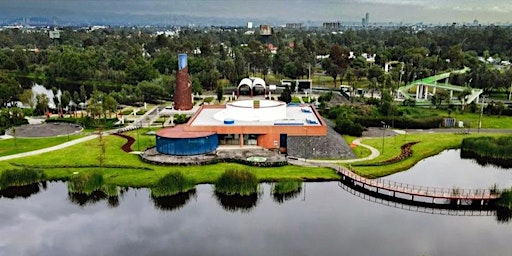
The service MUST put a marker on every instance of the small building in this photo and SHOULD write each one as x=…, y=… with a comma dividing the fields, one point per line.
x=263, y=123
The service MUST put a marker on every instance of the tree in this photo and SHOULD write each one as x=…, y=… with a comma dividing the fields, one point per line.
x=151, y=91
x=9, y=90
x=220, y=93
x=286, y=95
x=41, y=104
x=110, y=105
x=65, y=99
x=339, y=56
x=27, y=98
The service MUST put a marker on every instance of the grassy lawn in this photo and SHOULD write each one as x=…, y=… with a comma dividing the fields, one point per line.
x=488, y=121
x=20, y=145
x=429, y=145
x=360, y=152
x=87, y=154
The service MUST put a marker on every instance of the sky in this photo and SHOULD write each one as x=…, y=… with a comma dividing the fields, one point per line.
x=427, y=11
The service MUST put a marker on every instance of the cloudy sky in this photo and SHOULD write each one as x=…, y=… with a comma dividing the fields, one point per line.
x=429, y=11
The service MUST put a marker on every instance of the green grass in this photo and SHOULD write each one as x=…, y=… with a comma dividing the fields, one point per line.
x=171, y=184
x=287, y=186
x=428, y=145
x=359, y=151
x=488, y=121
x=496, y=147
x=86, y=182
x=20, y=145
x=237, y=182
x=20, y=177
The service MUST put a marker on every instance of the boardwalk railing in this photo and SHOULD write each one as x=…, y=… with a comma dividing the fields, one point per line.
x=422, y=191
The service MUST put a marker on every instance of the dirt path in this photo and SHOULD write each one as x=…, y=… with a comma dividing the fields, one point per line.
x=127, y=147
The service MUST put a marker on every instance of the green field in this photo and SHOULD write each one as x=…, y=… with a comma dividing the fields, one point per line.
x=20, y=145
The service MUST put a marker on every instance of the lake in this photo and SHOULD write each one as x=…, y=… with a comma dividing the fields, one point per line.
x=323, y=219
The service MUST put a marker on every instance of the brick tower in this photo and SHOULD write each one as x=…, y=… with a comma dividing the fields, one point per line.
x=183, y=92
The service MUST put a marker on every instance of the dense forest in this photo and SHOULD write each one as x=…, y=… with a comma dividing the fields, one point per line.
x=124, y=65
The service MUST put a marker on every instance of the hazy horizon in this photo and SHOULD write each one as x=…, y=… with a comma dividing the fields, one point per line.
x=432, y=11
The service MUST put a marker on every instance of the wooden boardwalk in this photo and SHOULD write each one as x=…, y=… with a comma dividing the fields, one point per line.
x=419, y=193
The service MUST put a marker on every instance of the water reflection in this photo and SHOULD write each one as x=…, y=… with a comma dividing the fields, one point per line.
x=281, y=198
x=83, y=199
x=175, y=202
x=484, y=161
x=503, y=215
x=22, y=191
x=235, y=203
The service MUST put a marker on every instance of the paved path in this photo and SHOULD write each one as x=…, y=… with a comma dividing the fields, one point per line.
x=49, y=149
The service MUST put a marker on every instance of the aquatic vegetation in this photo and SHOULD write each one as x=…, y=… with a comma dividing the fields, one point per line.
x=21, y=177
x=172, y=184
x=237, y=182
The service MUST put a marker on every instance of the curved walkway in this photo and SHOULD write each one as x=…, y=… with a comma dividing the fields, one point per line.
x=49, y=149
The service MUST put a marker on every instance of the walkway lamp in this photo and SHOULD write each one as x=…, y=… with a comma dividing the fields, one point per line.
x=383, y=134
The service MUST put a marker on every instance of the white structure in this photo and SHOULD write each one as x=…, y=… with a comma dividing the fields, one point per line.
x=250, y=111
x=252, y=82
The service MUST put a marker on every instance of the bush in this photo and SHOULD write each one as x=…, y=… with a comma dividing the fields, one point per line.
x=21, y=177
x=181, y=118
x=237, y=182
x=495, y=147
x=86, y=182
x=346, y=126
x=287, y=186
x=171, y=184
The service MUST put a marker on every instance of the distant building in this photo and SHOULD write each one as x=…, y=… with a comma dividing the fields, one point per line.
x=332, y=25
x=265, y=30
x=294, y=25
x=249, y=25
x=54, y=34
x=366, y=20
x=475, y=22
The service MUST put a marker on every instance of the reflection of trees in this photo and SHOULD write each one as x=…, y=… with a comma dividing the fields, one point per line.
x=235, y=203
x=484, y=161
x=22, y=191
x=83, y=199
x=503, y=215
x=174, y=202
x=280, y=198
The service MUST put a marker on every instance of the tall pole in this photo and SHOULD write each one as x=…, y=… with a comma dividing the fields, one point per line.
x=481, y=113
x=383, y=134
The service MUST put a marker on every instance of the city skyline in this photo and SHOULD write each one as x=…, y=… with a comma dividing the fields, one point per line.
x=281, y=11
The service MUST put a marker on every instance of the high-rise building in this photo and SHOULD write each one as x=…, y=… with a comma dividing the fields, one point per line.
x=367, y=18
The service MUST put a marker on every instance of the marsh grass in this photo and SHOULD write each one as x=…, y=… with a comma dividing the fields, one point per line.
x=86, y=182
x=172, y=184
x=286, y=189
x=287, y=186
x=495, y=147
x=237, y=182
x=21, y=177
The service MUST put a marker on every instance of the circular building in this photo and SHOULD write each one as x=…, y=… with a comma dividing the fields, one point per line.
x=178, y=142
x=253, y=111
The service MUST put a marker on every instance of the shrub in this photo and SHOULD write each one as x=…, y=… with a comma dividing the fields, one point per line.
x=241, y=182
x=171, y=184
x=287, y=186
x=86, y=182
x=21, y=177
x=181, y=118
